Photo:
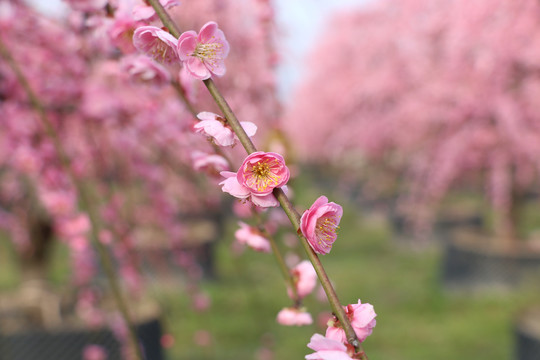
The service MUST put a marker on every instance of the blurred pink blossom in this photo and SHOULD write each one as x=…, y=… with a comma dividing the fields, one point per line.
x=121, y=33
x=74, y=226
x=87, y=5
x=362, y=318
x=202, y=338
x=294, y=317
x=305, y=279
x=211, y=164
x=156, y=43
x=319, y=224
x=204, y=54
x=251, y=237
x=147, y=13
x=143, y=69
x=216, y=127
x=94, y=352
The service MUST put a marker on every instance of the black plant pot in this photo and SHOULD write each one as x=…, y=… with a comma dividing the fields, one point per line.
x=469, y=263
x=527, y=335
x=68, y=344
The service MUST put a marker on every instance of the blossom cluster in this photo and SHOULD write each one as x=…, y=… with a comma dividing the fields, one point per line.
x=202, y=54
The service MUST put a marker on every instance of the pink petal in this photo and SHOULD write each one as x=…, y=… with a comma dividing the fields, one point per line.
x=187, y=42
x=232, y=186
x=264, y=200
x=206, y=115
x=218, y=68
x=196, y=68
x=207, y=32
x=319, y=342
x=249, y=127
x=329, y=355
x=143, y=12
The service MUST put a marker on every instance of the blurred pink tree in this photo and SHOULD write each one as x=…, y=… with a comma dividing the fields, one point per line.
x=443, y=93
x=128, y=135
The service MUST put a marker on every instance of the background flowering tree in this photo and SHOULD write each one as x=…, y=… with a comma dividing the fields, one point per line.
x=441, y=93
x=124, y=131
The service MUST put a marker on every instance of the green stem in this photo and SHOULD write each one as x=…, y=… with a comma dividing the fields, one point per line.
x=284, y=201
x=84, y=198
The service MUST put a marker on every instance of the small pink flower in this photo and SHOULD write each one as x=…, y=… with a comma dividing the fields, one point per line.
x=319, y=224
x=216, y=127
x=204, y=54
x=329, y=349
x=252, y=237
x=256, y=179
x=147, y=13
x=156, y=43
x=294, y=317
x=362, y=318
x=94, y=352
x=143, y=69
x=305, y=279
x=262, y=172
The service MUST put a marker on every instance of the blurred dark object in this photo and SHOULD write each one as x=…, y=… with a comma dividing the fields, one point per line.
x=469, y=263
x=68, y=344
x=527, y=335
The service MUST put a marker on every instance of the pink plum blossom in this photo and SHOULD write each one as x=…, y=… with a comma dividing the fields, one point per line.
x=328, y=349
x=156, y=43
x=216, y=127
x=319, y=224
x=294, y=317
x=262, y=172
x=147, y=13
x=250, y=236
x=143, y=69
x=204, y=54
x=362, y=318
x=305, y=279
x=259, y=174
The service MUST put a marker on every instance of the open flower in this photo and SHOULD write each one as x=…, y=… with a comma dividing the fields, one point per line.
x=305, y=279
x=262, y=172
x=294, y=317
x=251, y=237
x=259, y=174
x=319, y=224
x=328, y=349
x=216, y=127
x=156, y=43
x=362, y=318
x=204, y=54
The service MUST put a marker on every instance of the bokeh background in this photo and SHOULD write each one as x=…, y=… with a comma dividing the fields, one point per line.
x=419, y=117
